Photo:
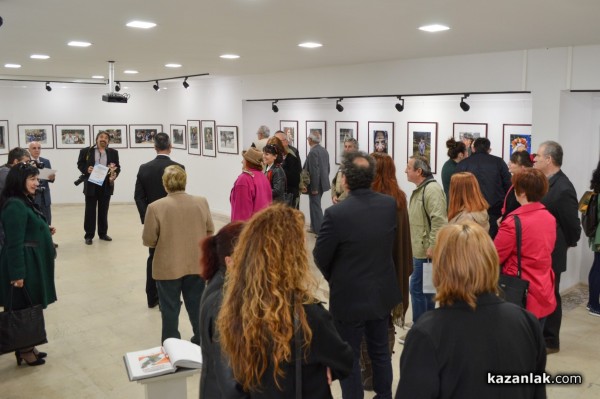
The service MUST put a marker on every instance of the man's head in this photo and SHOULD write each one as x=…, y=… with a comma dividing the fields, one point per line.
x=548, y=158
x=102, y=140
x=283, y=138
x=467, y=138
x=174, y=179
x=263, y=132
x=358, y=170
x=314, y=138
x=35, y=148
x=350, y=145
x=417, y=169
x=17, y=155
x=481, y=145
x=162, y=143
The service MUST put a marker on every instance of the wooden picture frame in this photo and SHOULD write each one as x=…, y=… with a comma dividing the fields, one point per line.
x=515, y=137
x=381, y=137
x=208, y=129
x=178, y=136
x=142, y=136
x=290, y=128
x=193, y=137
x=319, y=127
x=43, y=133
x=227, y=142
x=344, y=130
x=422, y=140
x=4, y=137
x=72, y=136
x=117, y=134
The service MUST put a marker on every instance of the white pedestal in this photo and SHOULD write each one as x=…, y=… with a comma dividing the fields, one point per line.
x=171, y=386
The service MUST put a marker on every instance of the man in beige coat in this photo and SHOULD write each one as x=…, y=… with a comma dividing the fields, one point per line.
x=173, y=226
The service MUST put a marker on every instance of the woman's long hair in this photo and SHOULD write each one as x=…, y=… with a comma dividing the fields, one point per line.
x=215, y=248
x=269, y=280
x=385, y=181
x=465, y=194
x=16, y=180
x=595, y=182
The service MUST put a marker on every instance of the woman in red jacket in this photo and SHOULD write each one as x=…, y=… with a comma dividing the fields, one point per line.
x=538, y=236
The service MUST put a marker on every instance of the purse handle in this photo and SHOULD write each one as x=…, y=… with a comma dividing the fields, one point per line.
x=10, y=298
x=518, y=230
x=298, y=346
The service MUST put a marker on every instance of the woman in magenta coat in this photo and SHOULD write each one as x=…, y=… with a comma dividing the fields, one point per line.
x=537, y=242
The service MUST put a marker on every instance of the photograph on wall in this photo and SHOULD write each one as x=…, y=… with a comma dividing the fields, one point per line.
x=193, y=135
x=381, y=137
x=317, y=127
x=290, y=128
x=207, y=138
x=344, y=130
x=227, y=139
x=422, y=140
x=178, y=137
x=515, y=138
x=463, y=131
x=72, y=136
x=117, y=134
x=4, y=146
x=44, y=134
x=142, y=136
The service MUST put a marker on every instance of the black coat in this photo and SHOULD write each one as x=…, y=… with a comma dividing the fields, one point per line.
x=561, y=201
x=87, y=158
x=42, y=197
x=148, y=185
x=354, y=251
x=292, y=166
x=450, y=350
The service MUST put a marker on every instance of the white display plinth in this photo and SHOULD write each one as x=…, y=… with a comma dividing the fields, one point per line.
x=172, y=386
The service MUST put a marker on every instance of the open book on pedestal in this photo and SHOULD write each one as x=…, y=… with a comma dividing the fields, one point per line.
x=164, y=359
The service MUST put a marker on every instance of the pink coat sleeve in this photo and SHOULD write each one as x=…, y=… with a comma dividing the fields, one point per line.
x=506, y=240
x=241, y=201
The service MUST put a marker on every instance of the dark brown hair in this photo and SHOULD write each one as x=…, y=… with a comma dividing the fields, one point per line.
x=532, y=182
x=215, y=248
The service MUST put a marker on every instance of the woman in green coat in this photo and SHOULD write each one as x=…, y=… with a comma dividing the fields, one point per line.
x=27, y=256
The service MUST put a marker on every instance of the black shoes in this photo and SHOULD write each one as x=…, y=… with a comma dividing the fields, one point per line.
x=106, y=238
x=88, y=241
x=37, y=362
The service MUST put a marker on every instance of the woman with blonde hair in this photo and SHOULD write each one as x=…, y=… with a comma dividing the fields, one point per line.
x=268, y=303
x=451, y=351
x=466, y=201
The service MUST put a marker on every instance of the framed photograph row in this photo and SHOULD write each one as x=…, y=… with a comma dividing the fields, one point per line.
x=4, y=145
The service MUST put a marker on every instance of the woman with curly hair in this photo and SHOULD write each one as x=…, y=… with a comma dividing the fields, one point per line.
x=269, y=301
x=466, y=202
x=594, y=276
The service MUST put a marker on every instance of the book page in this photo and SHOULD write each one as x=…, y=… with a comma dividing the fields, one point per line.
x=183, y=353
x=148, y=363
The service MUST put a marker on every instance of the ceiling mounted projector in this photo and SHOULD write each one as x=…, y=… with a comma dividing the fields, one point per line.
x=113, y=96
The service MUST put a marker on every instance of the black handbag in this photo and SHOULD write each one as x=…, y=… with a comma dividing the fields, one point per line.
x=21, y=328
x=298, y=348
x=514, y=289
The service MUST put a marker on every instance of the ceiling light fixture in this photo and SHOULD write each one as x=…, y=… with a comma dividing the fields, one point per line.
x=118, y=87
x=310, y=45
x=141, y=24
x=173, y=65
x=339, y=106
x=230, y=56
x=156, y=86
x=48, y=88
x=97, y=77
x=130, y=71
x=433, y=28
x=75, y=43
x=400, y=106
x=14, y=66
x=185, y=83
x=274, y=106
x=39, y=56
x=463, y=105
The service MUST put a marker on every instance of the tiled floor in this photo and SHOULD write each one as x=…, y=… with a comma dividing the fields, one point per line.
x=101, y=314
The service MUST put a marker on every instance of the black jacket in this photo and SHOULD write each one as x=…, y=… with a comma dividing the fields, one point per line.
x=87, y=158
x=292, y=166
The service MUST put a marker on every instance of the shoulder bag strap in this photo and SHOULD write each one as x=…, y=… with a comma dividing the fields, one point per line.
x=518, y=230
x=423, y=200
x=298, y=346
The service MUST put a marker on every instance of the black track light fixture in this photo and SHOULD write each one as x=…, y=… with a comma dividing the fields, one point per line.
x=339, y=106
x=185, y=83
x=118, y=87
x=400, y=104
x=463, y=105
x=48, y=88
x=156, y=87
x=274, y=106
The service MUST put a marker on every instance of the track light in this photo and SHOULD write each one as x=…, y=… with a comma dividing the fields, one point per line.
x=339, y=106
x=48, y=88
x=400, y=105
x=156, y=86
x=274, y=106
x=118, y=87
x=185, y=83
x=463, y=105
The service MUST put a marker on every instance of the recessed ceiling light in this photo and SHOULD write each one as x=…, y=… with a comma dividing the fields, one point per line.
x=310, y=45
x=12, y=66
x=39, y=56
x=173, y=65
x=230, y=56
x=79, y=44
x=130, y=71
x=433, y=28
x=141, y=24
x=97, y=77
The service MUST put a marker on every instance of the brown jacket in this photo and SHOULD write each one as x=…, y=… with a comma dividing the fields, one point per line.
x=174, y=225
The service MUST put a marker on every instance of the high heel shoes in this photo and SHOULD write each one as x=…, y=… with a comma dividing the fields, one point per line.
x=39, y=354
x=37, y=362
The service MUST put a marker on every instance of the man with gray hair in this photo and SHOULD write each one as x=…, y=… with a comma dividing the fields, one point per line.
x=262, y=136
x=15, y=156
x=561, y=201
x=339, y=192
x=317, y=165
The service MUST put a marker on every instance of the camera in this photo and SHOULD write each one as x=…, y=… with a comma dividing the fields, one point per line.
x=37, y=164
x=80, y=180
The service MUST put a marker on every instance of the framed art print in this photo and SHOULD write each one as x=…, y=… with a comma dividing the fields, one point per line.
x=381, y=137
x=178, y=136
x=142, y=136
x=4, y=146
x=515, y=138
x=44, y=134
x=474, y=130
x=227, y=139
x=117, y=134
x=422, y=140
x=290, y=128
x=193, y=135
x=344, y=130
x=319, y=127
x=207, y=130
x=72, y=136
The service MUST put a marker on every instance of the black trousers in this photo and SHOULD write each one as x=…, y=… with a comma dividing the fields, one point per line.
x=151, y=291
x=101, y=202
x=554, y=319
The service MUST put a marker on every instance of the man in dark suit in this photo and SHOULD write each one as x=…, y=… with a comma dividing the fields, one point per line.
x=292, y=166
x=561, y=201
x=149, y=188
x=317, y=164
x=493, y=177
x=354, y=251
x=98, y=196
x=42, y=195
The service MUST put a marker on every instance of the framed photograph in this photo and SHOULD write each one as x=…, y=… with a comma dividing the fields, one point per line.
x=44, y=134
x=344, y=130
x=471, y=130
x=117, y=134
x=319, y=127
x=142, y=136
x=193, y=135
x=515, y=138
x=381, y=137
x=178, y=136
x=208, y=129
x=227, y=139
x=4, y=146
x=72, y=136
x=422, y=140
x=290, y=128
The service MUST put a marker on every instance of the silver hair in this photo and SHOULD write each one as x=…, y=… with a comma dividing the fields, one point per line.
x=423, y=164
x=315, y=137
x=264, y=130
x=353, y=141
x=554, y=151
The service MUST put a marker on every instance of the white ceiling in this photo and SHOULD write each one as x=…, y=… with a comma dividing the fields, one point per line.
x=265, y=33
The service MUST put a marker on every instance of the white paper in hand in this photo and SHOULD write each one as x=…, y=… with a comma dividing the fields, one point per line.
x=428, y=287
x=98, y=174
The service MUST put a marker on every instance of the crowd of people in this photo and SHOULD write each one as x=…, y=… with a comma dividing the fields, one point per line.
x=250, y=294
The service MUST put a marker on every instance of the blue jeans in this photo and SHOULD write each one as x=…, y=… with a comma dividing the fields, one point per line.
x=420, y=302
x=376, y=334
x=169, y=294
